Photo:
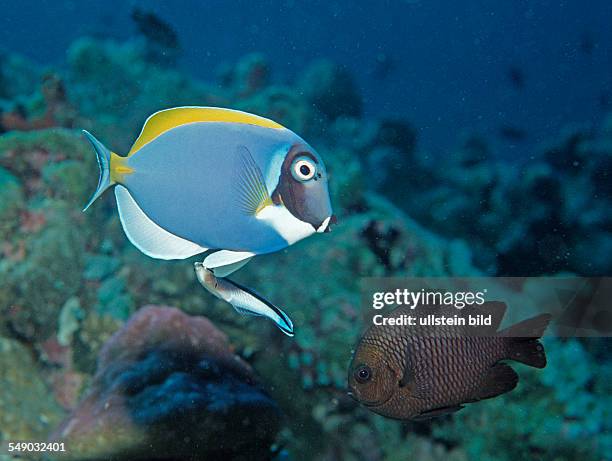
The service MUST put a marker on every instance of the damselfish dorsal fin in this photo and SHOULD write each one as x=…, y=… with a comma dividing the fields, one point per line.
x=148, y=237
x=164, y=120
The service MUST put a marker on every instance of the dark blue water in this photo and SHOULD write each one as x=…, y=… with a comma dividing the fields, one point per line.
x=448, y=67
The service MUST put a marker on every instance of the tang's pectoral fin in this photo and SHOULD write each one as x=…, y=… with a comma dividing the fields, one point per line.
x=251, y=194
x=242, y=299
x=224, y=262
x=437, y=412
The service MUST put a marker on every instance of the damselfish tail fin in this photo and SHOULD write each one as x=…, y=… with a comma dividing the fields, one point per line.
x=523, y=344
x=104, y=156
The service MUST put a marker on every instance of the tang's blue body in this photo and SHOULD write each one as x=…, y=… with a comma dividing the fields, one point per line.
x=183, y=181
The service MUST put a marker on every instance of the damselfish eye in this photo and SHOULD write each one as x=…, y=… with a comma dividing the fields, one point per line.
x=363, y=374
x=303, y=169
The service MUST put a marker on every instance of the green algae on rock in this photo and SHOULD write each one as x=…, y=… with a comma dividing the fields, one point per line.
x=21, y=379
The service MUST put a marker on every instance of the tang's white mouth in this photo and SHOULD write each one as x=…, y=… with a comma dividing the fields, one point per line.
x=324, y=225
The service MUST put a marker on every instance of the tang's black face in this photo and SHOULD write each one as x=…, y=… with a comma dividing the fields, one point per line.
x=302, y=187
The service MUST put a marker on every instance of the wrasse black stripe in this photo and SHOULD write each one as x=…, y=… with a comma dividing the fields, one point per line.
x=280, y=313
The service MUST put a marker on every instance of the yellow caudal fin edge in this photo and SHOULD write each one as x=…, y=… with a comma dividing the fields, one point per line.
x=167, y=119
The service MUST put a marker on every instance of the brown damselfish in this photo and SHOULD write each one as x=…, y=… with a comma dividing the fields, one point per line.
x=403, y=372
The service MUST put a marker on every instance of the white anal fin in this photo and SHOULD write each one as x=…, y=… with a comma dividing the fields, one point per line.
x=224, y=262
x=148, y=237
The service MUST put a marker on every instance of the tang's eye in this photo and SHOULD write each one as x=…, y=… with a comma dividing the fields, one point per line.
x=303, y=169
x=363, y=374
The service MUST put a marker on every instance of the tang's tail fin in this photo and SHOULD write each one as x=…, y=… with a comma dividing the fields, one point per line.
x=104, y=158
x=523, y=344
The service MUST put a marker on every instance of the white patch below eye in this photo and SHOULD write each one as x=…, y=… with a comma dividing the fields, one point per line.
x=288, y=226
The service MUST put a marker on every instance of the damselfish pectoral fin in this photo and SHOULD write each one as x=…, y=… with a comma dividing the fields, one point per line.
x=242, y=299
x=407, y=376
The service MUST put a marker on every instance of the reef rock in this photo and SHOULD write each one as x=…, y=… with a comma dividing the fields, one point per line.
x=167, y=387
x=252, y=74
x=21, y=381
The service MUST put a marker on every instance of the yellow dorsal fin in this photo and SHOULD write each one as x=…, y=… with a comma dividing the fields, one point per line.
x=167, y=119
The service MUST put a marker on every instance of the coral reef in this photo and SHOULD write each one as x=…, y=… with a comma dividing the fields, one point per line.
x=109, y=80
x=19, y=78
x=546, y=215
x=169, y=387
x=554, y=415
x=71, y=280
x=251, y=75
x=20, y=376
x=50, y=109
x=330, y=89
